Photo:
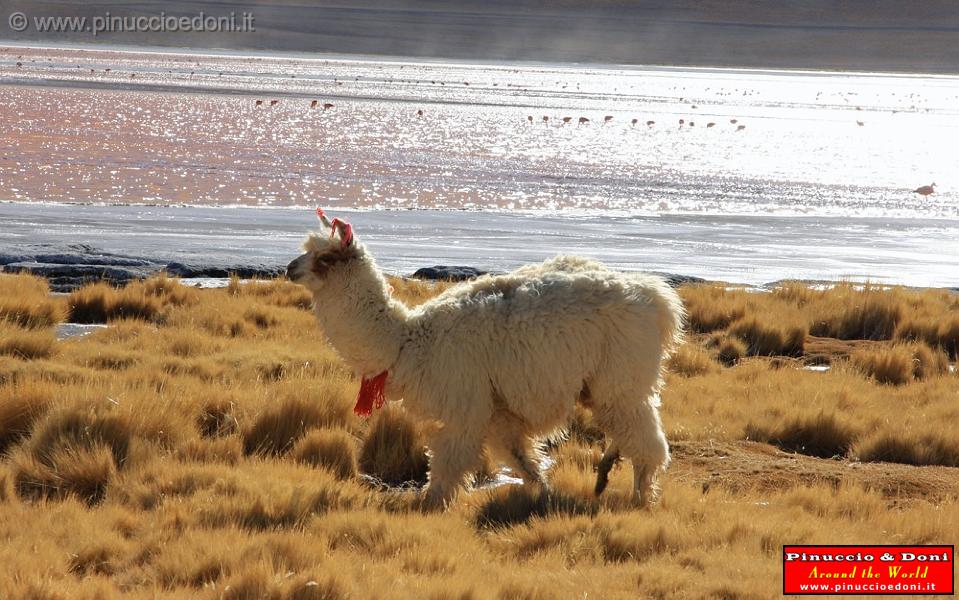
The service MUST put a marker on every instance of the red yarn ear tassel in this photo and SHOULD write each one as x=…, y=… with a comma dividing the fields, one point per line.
x=372, y=395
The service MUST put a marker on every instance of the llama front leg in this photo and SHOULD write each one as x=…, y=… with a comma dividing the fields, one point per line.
x=453, y=454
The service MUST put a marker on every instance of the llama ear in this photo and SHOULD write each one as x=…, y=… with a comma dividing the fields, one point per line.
x=345, y=230
x=322, y=216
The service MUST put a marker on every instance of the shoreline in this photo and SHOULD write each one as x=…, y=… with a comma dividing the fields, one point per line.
x=128, y=242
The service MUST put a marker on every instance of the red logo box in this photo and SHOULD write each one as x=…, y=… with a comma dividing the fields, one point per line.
x=869, y=570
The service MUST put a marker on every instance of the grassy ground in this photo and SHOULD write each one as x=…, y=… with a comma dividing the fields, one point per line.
x=204, y=446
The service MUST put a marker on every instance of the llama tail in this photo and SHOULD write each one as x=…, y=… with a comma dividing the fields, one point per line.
x=670, y=314
x=610, y=458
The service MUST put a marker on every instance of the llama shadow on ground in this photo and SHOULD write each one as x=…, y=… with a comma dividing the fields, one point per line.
x=514, y=505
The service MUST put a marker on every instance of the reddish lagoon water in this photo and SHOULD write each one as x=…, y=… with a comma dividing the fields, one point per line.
x=717, y=197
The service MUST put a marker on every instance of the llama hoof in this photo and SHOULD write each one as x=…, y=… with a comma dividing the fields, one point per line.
x=436, y=501
x=646, y=499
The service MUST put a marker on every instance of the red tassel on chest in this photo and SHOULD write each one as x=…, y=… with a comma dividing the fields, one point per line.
x=372, y=394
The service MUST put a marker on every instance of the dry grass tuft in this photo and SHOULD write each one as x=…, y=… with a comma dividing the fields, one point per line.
x=900, y=364
x=83, y=472
x=278, y=428
x=25, y=301
x=712, y=307
x=731, y=351
x=885, y=365
x=690, y=360
x=218, y=418
x=330, y=449
x=100, y=303
x=948, y=336
x=97, y=559
x=276, y=292
x=169, y=290
x=20, y=408
x=394, y=450
x=928, y=362
x=27, y=344
x=868, y=312
x=74, y=428
x=771, y=335
x=261, y=583
x=7, y=492
x=226, y=450
x=911, y=448
x=824, y=435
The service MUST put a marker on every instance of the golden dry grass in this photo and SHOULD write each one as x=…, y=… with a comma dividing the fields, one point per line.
x=205, y=447
x=690, y=360
x=25, y=301
x=845, y=311
x=901, y=363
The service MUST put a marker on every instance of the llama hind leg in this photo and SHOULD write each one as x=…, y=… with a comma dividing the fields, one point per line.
x=637, y=433
x=510, y=441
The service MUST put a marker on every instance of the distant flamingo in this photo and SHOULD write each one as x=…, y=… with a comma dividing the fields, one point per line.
x=259, y=103
x=583, y=120
x=607, y=119
x=545, y=119
x=274, y=102
x=926, y=190
x=313, y=104
x=327, y=106
x=567, y=120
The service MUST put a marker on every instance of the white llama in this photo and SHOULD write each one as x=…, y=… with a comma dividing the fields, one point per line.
x=501, y=361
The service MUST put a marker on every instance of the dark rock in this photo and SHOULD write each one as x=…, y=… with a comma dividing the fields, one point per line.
x=177, y=269
x=68, y=277
x=93, y=259
x=447, y=273
x=6, y=259
x=112, y=273
x=679, y=280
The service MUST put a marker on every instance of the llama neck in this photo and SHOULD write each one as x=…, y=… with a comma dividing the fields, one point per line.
x=362, y=322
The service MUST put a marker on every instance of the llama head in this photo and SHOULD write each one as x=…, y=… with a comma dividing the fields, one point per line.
x=325, y=252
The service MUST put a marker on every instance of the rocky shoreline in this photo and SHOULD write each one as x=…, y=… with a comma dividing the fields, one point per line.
x=69, y=267
x=74, y=265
